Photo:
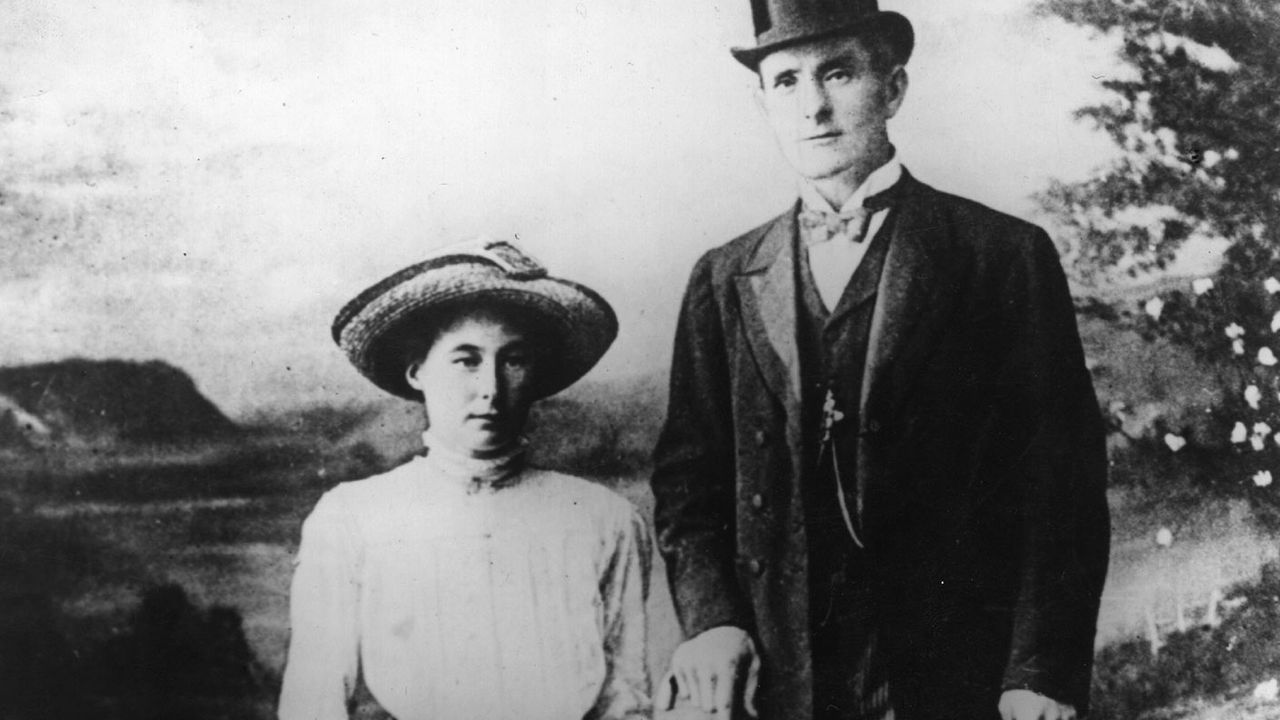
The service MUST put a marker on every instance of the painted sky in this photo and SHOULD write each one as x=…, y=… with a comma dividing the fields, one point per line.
x=207, y=181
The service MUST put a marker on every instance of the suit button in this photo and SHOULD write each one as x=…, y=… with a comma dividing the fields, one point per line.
x=754, y=566
x=761, y=438
x=757, y=501
x=873, y=425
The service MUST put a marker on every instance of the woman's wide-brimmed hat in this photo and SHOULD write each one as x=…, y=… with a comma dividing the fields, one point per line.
x=782, y=23
x=373, y=327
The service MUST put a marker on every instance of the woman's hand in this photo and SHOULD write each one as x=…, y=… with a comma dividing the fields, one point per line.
x=718, y=671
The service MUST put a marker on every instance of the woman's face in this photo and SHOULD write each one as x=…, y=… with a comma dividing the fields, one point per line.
x=477, y=383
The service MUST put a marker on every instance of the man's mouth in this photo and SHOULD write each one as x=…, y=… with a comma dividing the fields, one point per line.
x=824, y=136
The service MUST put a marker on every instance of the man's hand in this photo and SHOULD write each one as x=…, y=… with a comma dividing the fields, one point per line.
x=1028, y=705
x=716, y=670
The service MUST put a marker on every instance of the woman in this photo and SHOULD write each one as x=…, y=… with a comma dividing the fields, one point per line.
x=464, y=584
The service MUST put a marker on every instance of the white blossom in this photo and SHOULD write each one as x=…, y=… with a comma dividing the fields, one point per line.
x=1202, y=285
x=1175, y=442
x=1237, y=347
x=1272, y=285
x=1262, y=478
x=1252, y=395
x=1275, y=322
x=1211, y=158
x=1154, y=307
x=1266, y=357
x=1267, y=691
x=1257, y=442
x=1261, y=429
x=1232, y=154
x=1239, y=433
x=1164, y=537
x=1234, y=330
x=1210, y=57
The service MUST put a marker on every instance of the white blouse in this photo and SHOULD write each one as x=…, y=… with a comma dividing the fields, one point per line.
x=470, y=589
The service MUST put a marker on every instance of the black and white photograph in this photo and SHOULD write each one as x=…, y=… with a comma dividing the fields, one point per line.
x=560, y=360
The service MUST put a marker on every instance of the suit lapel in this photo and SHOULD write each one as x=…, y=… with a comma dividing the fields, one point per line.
x=907, y=298
x=767, y=291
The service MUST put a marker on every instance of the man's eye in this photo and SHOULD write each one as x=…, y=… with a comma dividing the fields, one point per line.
x=467, y=361
x=786, y=81
x=518, y=361
x=841, y=75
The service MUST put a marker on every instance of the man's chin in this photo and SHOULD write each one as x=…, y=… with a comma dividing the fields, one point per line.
x=819, y=170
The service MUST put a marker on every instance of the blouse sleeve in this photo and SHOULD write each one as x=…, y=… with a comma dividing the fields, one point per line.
x=320, y=673
x=624, y=588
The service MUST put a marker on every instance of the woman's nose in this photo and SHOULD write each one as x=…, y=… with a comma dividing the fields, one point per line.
x=488, y=383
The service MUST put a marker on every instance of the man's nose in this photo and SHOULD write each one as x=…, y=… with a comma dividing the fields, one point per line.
x=815, y=102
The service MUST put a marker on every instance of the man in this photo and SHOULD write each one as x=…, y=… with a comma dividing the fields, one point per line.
x=881, y=483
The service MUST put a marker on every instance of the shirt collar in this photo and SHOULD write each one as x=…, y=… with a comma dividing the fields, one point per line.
x=880, y=179
x=475, y=473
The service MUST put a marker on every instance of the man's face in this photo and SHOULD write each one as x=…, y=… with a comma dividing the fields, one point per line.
x=828, y=108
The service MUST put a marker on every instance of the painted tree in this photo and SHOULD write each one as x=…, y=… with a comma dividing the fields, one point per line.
x=1195, y=110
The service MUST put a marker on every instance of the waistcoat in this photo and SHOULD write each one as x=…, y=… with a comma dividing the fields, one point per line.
x=848, y=674
x=833, y=347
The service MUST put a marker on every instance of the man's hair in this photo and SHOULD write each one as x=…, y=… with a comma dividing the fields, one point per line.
x=884, y=56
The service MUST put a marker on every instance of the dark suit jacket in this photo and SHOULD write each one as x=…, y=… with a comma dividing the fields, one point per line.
x=981, y=465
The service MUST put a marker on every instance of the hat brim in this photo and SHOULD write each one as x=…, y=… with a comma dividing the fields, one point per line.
x=894, y=26
x=582, y=324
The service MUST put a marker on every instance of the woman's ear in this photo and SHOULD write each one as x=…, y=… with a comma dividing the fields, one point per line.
x=411, y=375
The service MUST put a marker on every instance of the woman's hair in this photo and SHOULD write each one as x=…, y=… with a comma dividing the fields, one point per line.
x=420, y=333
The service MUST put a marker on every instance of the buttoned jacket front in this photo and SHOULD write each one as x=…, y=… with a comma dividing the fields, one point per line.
x=980, y=464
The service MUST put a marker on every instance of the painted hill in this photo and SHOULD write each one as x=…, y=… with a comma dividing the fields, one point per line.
x=88, y=402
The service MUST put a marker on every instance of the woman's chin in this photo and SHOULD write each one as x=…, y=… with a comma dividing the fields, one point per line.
x=488, y=446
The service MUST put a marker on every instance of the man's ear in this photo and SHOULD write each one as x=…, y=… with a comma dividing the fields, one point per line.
x=411, y=375
x=895, y=90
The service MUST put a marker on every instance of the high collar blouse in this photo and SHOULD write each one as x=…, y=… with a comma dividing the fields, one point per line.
x=460, y=589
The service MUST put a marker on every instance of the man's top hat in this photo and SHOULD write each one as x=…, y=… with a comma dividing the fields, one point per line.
x=780, y=23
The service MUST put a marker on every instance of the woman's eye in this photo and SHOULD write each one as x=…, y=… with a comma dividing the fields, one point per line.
x=467, y=361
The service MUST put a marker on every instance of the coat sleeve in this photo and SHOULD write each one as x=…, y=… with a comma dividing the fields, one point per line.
x=1058, y=482
x=694, y=478
x=624, y=589
x=322, y=665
